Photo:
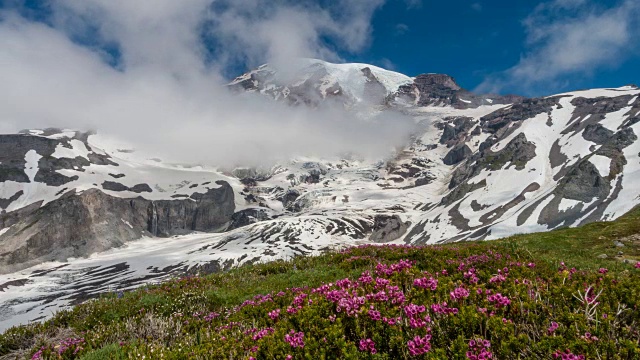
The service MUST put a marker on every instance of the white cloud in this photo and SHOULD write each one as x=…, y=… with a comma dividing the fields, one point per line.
x=568, y=39
x=167, y=94
x=413, y=4
x=387, y=64
x=249, y=29
x=401, y=29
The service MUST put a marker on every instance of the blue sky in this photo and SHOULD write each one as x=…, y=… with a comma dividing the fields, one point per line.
x=526, y=47
x=473, y=40
x=465, y=39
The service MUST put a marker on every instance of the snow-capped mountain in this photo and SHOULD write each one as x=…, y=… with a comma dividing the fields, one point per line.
x=481, y=167
x=311, y=82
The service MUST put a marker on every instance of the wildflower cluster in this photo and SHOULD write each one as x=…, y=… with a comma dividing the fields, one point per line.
x=499, y=300
x=367, y=345
x=459, y=293
x=419, y=345
x=67, y=348
x=295, y=339
x=472, y=302
x=479, y=350
x=567, y=355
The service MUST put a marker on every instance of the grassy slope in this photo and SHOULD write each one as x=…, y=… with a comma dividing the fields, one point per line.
x=582, y=246
x=577, y=247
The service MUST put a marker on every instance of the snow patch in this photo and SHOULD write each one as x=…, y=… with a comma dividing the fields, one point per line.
x=64, y=134
x=602, y=163
x=613, y=119
x=566, y=204
x=78, y=149
x=127, y=223
x=2, y=231
x=31, y=166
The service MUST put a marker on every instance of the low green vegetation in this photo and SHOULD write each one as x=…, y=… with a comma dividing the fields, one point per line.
x=585, y=246
x=536, y=296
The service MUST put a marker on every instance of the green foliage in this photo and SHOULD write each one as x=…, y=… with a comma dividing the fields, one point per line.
x=581, y=246
x=109, y=352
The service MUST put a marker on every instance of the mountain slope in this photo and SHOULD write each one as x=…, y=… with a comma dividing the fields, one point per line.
x=541, y=277
x=478, y=167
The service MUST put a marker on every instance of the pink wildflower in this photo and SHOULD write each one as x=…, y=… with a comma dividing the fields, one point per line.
x=296, y=340
x=419, y=345
x=367, y=345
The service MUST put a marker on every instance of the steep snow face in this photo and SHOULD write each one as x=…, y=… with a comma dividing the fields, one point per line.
x=478, y=170
x=315, y=80
x=353, y=79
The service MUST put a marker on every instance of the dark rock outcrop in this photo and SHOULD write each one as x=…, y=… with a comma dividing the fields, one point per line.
x=518, y=152
x=596, y=133
x=523, y=110
x=14, y=148
x=288, y=199
x=456, y=130
x=80, y=224
x=4, y=203
x=140, y=188
x=388, y=228
x=118, y=187
x=583, y=182
x=590, y=111
x=252, y=175
x=457, y=154
x=247, y=217
x=442, y=90
x=114, y=186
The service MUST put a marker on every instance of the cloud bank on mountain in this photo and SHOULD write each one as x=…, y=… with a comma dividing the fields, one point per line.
x=155, y=76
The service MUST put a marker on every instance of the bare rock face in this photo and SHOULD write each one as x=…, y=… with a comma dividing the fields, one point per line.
x=374, y=91
x=442, y=90
x=288, y=199
x=516, y=153
x=14, y=148
x=583, y=183
x=248, y=217
x=596, y=133
x=525, y=109
x=457, y=154
x=456, y=130
x=252, y=174
x=388, y=228
x=80, y=224
x=117, y=187
x=590, y=111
